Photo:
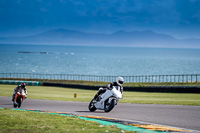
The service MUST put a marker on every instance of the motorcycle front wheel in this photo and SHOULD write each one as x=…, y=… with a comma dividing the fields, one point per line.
x=91, y=106
x=109, y=106
x=19, y=101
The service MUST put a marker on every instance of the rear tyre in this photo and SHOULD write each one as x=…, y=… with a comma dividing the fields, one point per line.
x=91, y=106
x=109, y=106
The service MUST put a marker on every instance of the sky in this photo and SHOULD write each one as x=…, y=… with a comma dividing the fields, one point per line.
x=179, y=18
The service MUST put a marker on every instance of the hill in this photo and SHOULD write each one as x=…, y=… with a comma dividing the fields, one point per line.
x=146, y=38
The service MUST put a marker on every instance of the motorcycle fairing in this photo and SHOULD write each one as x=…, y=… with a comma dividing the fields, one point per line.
x=106, y=95
x=21, y=93
x=117, y=93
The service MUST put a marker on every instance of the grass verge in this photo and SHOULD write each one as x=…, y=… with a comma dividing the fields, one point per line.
x=24, y=121
x=67, y=94
x=95, y=83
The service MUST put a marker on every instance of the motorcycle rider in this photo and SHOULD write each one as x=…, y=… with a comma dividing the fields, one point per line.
x=119, y=82
x=21, y=86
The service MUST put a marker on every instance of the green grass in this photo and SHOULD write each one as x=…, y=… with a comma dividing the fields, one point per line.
x=162, y=98
x=51, y=93
x=34, y=122
x=163, y=84
x=95, y=83
x=67, y=94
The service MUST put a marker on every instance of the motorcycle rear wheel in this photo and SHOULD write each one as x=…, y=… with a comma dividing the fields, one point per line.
x=108, y=107
x=91, y=106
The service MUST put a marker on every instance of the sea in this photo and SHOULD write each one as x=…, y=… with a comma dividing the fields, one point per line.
x=97, y=60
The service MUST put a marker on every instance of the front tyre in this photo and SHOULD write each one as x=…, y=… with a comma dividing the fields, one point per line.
x=19, y=101
x=109, y=106
x=91, y=106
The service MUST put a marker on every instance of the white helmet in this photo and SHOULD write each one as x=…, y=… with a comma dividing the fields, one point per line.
x=120, y=81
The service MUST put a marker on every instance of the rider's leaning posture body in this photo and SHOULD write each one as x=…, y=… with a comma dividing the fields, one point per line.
x=21, y=86
x=107, y=98
x=118, y=83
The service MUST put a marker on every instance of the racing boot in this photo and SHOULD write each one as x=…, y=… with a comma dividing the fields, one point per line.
x=96, y=98
x=13, y=97
x=15, y=102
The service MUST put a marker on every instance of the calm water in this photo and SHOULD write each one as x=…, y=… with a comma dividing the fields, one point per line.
x=111, y=61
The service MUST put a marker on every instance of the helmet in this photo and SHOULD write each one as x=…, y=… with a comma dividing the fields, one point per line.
x=23, y=84
x=120, y=81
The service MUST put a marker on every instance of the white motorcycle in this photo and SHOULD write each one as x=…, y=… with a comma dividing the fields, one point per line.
x=107, y=100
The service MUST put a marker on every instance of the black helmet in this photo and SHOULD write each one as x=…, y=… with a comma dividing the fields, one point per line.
x=23, y=84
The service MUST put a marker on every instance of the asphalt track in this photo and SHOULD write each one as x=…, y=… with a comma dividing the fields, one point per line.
x=187, y=117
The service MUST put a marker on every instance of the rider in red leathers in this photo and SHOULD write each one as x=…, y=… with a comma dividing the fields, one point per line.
x=21, y=86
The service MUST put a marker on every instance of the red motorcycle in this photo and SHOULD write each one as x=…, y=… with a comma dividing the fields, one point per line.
x=19, y=98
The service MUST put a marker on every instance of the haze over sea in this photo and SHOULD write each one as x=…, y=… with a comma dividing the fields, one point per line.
x=86, y=60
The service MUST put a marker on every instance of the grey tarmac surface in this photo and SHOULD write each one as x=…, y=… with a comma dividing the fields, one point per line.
x=187, y=117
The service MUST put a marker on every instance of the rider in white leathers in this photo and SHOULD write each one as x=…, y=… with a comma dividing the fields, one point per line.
x=119, y=82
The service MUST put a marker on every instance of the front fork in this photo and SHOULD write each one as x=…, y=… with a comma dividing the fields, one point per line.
x=16, y=95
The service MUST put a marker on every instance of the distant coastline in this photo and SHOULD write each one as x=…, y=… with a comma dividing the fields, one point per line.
x=120, y=38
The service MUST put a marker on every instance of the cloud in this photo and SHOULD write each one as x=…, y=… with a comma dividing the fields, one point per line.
x=193, y=1
x=197, y=15
x=99, y=14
